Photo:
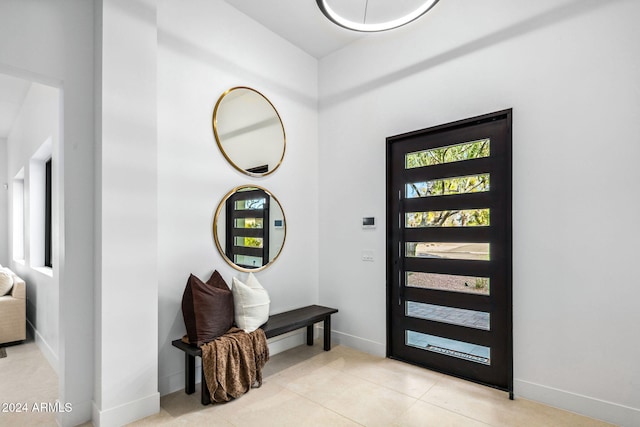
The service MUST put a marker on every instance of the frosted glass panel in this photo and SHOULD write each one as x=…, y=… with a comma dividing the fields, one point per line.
x=455, y=316
x=459, y=349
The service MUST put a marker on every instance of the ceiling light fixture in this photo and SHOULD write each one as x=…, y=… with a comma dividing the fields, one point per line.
x=364, y=26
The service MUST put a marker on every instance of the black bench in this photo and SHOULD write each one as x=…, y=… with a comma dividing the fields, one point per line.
x=277, y=324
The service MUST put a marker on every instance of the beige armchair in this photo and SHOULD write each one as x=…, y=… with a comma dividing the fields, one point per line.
x=13, y=314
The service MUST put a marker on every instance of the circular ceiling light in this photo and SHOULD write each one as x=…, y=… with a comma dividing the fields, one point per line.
x=374, y=15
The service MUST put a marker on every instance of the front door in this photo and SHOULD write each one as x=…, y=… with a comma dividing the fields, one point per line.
x=247, y=243
x=449, y=249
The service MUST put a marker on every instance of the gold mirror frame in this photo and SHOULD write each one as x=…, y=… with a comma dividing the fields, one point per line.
x=222, y=206
x=246, y=132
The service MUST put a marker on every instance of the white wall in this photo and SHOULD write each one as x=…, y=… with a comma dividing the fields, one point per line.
x=52, y=43
x=205, y=48
x=34, y=137
x=569, y=71
x=126, y=384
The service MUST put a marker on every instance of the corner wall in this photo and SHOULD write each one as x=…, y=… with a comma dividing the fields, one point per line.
x=126, y=312
x=569, y=71
x=205, y=48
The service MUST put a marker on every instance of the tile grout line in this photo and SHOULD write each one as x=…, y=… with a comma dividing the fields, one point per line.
x=321, y=405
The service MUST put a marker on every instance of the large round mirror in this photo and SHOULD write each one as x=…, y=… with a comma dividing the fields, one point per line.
x=249, y=228
x=249, y=131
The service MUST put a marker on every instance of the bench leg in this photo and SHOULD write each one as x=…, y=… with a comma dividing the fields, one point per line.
x=327, y=333
x=205, y=396
x=189, y=373
x=310, y=335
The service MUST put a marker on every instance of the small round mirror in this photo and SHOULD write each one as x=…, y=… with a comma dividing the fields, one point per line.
x=249, y=228
x=249, y=131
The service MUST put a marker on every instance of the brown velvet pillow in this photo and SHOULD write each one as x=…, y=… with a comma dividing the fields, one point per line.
x=207, y=308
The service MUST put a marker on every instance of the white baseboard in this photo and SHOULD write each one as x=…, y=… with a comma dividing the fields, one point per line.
x=45, y=348
x=127, y=413
x=610, y=412
x=174, y=382
x=358, y=343
x=80, y=413
x=287, y=341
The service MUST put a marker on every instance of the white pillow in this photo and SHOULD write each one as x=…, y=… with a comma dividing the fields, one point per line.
x=250, y=303
x=6, y=282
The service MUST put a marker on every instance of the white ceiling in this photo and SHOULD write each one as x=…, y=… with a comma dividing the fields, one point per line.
x=300, y=22
x=12, y=93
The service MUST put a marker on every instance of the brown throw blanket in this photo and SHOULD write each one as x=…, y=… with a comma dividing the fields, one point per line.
x=233, y=363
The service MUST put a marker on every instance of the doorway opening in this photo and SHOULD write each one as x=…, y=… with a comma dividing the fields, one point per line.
x=30, y=224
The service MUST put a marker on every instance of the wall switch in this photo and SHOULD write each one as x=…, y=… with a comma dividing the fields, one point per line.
x=367, y=255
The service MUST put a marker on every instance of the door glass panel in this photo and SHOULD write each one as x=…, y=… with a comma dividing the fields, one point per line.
x=453, y=218
x=460, y=349
x=243, y=205
x=448, y=186
x=248, y=242
x=447, y=154
x=448, y=282
x=448, y=250
x=454, y=316
x=248, y=223
x=247, y=260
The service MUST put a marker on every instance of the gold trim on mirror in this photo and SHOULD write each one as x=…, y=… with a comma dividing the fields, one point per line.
x=249, y=226
x=249, y=131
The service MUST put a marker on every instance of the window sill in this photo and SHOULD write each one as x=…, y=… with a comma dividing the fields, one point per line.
x=47, y=271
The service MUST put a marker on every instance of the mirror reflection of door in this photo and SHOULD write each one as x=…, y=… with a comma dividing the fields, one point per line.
x=249, y=228
x=247, y=237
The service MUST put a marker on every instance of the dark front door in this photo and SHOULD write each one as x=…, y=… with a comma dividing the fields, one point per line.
x=247, y=237
x=449, y=249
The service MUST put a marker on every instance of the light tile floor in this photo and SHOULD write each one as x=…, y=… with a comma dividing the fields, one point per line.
x=306, y=386
x=26, y=379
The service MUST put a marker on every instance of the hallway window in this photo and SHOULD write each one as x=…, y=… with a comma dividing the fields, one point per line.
x=40, y=213
x=47, y=214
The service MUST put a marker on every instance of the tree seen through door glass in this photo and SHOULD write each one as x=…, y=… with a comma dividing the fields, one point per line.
x=448, y=186
x=249, y=204
x=450, y=153
x=248, y=242
x=248, y=223
x=452, y=218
